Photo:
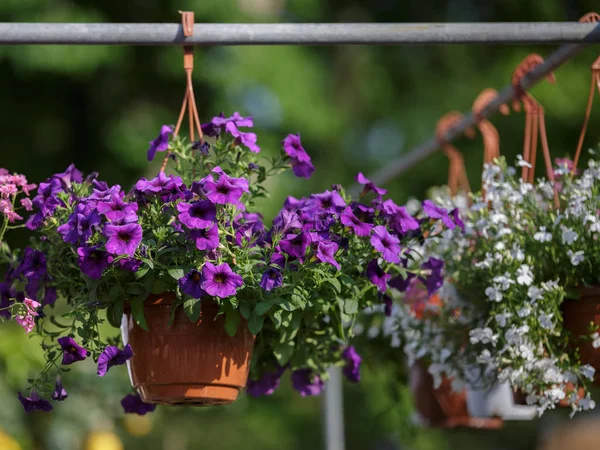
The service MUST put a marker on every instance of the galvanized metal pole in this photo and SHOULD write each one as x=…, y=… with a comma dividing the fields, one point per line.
x=333, y=409
x=298, y=34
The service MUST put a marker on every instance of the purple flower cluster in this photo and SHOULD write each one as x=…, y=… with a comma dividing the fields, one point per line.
x=232, y=125
x=301, y=163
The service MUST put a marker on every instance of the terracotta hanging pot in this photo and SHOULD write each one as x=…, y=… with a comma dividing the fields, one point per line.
x=186, y=363
x=577, y=316
x=442, y=407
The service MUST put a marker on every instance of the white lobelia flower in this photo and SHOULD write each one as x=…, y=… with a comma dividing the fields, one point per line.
x=517, y=253
x=595, y=340
x=494, y=293
x=502, y=318
x=524, y=275
x=521, y=162
x=587, y=403
x=542, y=235
x=499, y=246
x=485, y=357
x=524, y=311
x=587, y=371
x=545, y=321
x=503, y=281
x=568, y=235
x=483, y=335
x=534, y=293
x=576, y=257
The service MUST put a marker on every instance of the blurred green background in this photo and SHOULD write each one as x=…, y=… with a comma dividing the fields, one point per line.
x=357, y=108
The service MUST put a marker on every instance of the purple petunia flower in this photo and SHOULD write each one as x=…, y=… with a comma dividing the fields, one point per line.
x=46, y=199
x=34, y=402
x=435, y=279
x=197, y=215
x=457, y=220
x=112, y=356
x=399, y=218
x=191, y=284
x=377, y=275
x=123, y=239
x=93, y=261
x=272, y=278
x=220, y=281
x=71, y=175
x=326, y=253
x=246, y=139
x=80, y=226
x=400, y=283
x=328, y=201
x=33, y=264
x=295, y=245
x=386, y=244
x=116, y=209
x=301, y=163
x=161, y=143
x=388, y=305
x=286, y=220
x=60, y=393
x=226, y=190
x=207, y=238
x=368, y=185
x=160, y=183
x=352, y=368
x=350, y=220
x=72, y=352
x=307, y=383
x=266, y=385
x=129, y=264
x=50, y=295
x=437, y=212
x=133, y=404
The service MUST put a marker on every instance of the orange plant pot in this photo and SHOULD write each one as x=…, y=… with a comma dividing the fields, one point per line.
x=186, y=363
x=577, y=315
x=442, y=407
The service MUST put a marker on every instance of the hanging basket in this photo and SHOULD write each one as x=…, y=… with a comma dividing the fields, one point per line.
x=442, y=407
x=577, y=316
x=186, y=363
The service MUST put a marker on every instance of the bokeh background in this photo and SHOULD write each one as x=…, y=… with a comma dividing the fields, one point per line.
x=357, y=108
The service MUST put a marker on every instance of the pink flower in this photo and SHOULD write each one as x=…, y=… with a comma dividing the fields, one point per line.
x=26, y=318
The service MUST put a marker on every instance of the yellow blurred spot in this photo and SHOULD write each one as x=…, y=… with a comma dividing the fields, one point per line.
x=7, y=442
x=137, y=426
x=103, y=440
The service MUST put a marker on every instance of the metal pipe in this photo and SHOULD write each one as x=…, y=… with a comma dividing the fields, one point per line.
x=333, y=410
x=402, y=164
x=298, y=34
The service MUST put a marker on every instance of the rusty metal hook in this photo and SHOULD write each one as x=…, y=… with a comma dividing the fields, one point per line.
x=535, y=123
x=457, y=174
x=491, y=138
x=590, y=17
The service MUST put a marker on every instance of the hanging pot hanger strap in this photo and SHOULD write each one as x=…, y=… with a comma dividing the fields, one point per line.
x=189, y=100
x=595, y=81
x=491, y=138
x=457, y=174
x=535, y=124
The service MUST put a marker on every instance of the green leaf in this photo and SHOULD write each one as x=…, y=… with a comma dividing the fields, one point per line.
x=143, y=271
x=245, y=310
x=137, y=311
x=176, y=273
x=350, y=306
x=232, y=320
x=263, y=307
x=159, y=286
x=191, y=307
x=114, y=313
x=276, y=317
x=285, y=304
x=283, y=352
x=148, y=262
x=135, y=289
x=335, y=283
x=255, y=323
